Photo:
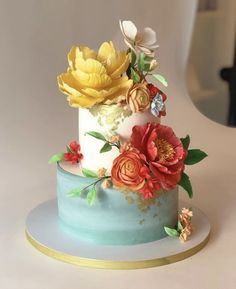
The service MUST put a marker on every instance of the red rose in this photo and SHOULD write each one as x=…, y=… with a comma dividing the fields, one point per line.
x=129, y=170
x=164, y=152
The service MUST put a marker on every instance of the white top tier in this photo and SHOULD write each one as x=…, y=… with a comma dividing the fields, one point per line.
x=109, y=123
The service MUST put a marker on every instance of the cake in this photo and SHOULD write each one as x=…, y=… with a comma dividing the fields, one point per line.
x=118, y=184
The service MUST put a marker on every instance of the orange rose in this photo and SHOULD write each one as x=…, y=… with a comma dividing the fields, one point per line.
x=138, y=97
x=129, y=171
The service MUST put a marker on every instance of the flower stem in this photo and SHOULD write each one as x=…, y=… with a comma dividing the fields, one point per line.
x=94, y=183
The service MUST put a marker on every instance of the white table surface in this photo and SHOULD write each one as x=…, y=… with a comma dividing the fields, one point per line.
x=36, y=122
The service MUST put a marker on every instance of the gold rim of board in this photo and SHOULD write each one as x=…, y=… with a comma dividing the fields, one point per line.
x=105, y=264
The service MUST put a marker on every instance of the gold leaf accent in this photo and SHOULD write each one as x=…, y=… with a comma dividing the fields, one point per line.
x=142, y=204
x=141, y=221
x=111, y=115
x=129, y=199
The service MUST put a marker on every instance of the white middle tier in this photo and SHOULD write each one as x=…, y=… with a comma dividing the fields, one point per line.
x=90, y=146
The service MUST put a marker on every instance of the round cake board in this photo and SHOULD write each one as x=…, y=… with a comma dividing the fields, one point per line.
x=45, y=233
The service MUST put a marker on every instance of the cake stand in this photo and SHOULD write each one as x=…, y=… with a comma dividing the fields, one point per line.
x=45, y=233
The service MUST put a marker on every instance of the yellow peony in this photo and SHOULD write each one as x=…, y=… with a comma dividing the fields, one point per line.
x=94, y=78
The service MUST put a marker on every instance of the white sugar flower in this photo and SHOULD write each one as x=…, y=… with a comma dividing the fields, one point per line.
x=144, y=41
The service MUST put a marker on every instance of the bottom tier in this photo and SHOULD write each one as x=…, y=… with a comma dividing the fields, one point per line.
x=116, y=218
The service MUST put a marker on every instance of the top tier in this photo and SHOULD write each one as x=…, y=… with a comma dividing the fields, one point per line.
x=111, y=90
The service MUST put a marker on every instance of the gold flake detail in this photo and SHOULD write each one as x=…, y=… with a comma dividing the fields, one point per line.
x=141, y=221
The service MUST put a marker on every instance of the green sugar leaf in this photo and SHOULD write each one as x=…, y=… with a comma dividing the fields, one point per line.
x=75, y=193
x=91, y=196
x=141, y=61
x=133, y=57
x=106, y=148
x=69, y=150
x=185, y=141
x=97, y=135
x=194, y=156
x=89, y=173
x=146, y=67
x=148, y=58
x=56, y=158
x=161, y=79
x=134, y=75
x=171, y=232
x=186, y=184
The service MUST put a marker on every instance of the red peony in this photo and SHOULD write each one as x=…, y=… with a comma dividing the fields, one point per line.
x=129, y=170
x=73, y=155
x=164, y=153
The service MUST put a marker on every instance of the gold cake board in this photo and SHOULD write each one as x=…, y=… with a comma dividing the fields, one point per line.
x=44, y=232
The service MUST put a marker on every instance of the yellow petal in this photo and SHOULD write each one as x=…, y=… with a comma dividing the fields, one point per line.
x=110, y=92
x=67, y=84
x=92, y=80
x=90, y=66
x=87, y=52
x=121, y=90
x=68, y=79
x=123, y=81
x=72, y=55
x=105, y=51
x=122, y=66
x=81, y=101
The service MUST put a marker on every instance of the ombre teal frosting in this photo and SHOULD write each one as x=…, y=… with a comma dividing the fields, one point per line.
x=115, y=218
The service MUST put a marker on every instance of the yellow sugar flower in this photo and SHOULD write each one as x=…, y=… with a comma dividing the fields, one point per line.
x=94, y=78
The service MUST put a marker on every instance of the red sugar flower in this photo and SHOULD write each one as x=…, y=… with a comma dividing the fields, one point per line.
x=73, y=155
x=164, y=153
x=153, y=90
x=129, y=170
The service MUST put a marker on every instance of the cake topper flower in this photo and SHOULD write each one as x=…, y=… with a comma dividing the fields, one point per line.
x=142, y=46
x=113, y=77
x=145, y=41
x=95, y=78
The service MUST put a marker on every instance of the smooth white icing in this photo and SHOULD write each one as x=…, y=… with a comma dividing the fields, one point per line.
x=90, y=146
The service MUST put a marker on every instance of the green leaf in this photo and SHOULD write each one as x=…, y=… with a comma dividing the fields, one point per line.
x=185, y=142
x=141, y=61
x=146, y=67
x=180, y=227
x=69, y=150
x=134, y=75
x=161, y=79
x=148, y=58
x=96, y=134
x=91, y=196
x=186, y=184
x=133, y=57
x=144, y=62
x=171, y=232
x=75, y=193
x=56, y=158
x=106, y=148
x=194, y=156
x=88, y=173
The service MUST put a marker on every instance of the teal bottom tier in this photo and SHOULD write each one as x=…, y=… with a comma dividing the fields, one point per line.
x=115, y=218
